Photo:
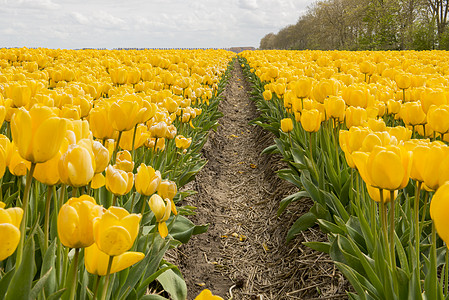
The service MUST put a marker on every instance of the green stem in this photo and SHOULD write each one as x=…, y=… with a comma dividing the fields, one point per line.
x=26, y=197
x=106, y=282
x=74, y=275
x=114, y=200
x=383, y=213
x=144, y=204
x=96, y=285
x=392, y=252
x=417, y=233
x=47, y=218
x=134, y=140
x=114, y=156
x=446, y=275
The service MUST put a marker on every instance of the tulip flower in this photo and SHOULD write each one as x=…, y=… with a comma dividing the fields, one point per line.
x=167, y=190
x=101, y=155
x=38, y=133
x=99, y=123
x=116, y=230
x=355, y=116
x=77, y=165
x=118, y=181
x=404, y=81
x=96, y=261
x=431, y=97
x=412, y=113
x=335, y=108
x=161, y=211
x=10, y=220
x=438, y=118
x=182, y=142
x=140, y=136
x=75, y=221
x=267, y=95
x=385, y=167
x=124, y=161
x=207, y=295
x=439, y=212
x=123, y=115
x=286, y=125
x=147, y=180
x=303, y=87
x=311, y=120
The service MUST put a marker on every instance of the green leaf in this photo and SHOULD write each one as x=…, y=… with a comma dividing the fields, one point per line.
x=331, y=227
x=4, y=283
x=153, y=276
x=183, y=229
x=20, y=286
x=304, y=222
x=289, y=199
x=56, y=295
x=173, y=283
x=319, y=246
x=49, y=264
x=40, y=284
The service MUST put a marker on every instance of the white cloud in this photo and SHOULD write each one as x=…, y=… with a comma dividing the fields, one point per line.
x=143, y=23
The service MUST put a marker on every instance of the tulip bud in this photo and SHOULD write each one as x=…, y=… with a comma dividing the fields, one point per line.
x=161, y=211
x=311, y=120
x=10, y=220
x=116, y=230
x=286, y=125
x=118, y=181
x=147, y=180
x=75, y=221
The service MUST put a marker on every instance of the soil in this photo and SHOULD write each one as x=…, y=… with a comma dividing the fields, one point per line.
x=244, y=255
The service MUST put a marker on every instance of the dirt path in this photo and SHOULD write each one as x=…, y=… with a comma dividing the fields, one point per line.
x=244, y=250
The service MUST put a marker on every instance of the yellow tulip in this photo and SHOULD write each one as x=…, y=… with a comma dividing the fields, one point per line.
x=439, y=212
x=77, y=165
x=98, y=181
x=355, y=116
x=431, y=97
x=10, y=220
x=147, y=180
x=207, y=295
x=311, y=120
x=75, y=221
x=385, y=167
x=38, y=134
x=99, y=123
x=48, y=172
x=404, y=81
x=151, y=143
x=116, y=230
x=303, y=87
x=438, y=118
x=159, y=130
x=124, y=161
x=286, y=125
x=167, y=189
x=161, y=211
x=19, y=93
x=118, y=181
x=101, y=155
x=412, y=113
x=401, y=133
x=267, y=95
x=182, y=142
x=96, y=261
x=123, y=115
x=335, y=108
x=434, y=163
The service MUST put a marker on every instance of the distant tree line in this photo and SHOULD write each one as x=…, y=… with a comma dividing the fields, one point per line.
x=366, y=25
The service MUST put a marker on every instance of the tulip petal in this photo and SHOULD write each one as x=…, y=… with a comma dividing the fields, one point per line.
x=115, y=240
x=439, y=208
x=126, y=260
x=68, y=230
x=47, y=140
x=5, y=217
x=163, y=229
x=22, y=132
x=10, y=239
x=16, y=214
x=131, y=224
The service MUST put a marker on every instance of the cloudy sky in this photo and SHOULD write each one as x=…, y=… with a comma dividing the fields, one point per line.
x=143, y=23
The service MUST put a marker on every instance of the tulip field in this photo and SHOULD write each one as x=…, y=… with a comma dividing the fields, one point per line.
x=364, y=135
x=97, y=147
x=94, y=147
